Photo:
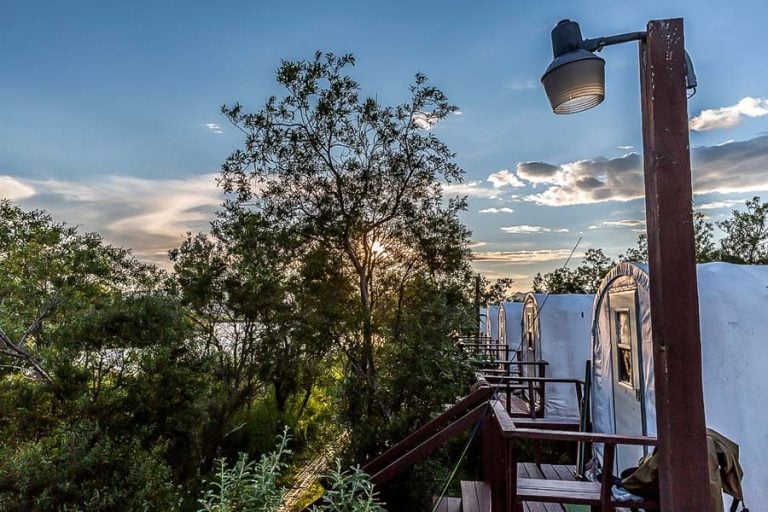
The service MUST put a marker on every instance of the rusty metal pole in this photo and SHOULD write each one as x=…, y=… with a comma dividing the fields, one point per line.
x=477, y=306
x=674, y=301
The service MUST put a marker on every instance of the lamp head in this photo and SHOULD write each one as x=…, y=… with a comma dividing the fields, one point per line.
x=575, y=80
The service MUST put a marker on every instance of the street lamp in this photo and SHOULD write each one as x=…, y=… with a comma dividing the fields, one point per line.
x=575, y=81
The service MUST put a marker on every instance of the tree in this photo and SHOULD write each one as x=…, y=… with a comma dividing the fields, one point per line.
x=359, y=182
x=496, y=291
x=703, y=233
x=746, y=234
x=584, y=279
x=101, y=383
x=268, y=311
x=703, y=238
x=51, y=273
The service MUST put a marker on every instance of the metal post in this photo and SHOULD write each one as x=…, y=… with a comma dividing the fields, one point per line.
x=477, y=306
x=673, y=291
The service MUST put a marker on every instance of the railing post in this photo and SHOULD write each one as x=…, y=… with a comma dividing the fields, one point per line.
x=606, y=481
x=494, y=463
x=510, y=453
x=543, y=387
x=531, y=400
x=508, y=385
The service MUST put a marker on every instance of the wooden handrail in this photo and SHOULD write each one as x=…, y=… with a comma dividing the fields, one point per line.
x=429, y=445
x=522, y=363
x=568, y=380
x=478, y=396
x=584, y=437
x=509, y=429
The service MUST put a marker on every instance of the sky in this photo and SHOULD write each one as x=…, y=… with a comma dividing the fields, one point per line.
x=109, y=111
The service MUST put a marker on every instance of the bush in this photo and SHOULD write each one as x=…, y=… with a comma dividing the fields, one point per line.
x=248, y=486
x=350, y=491
x=80, y=467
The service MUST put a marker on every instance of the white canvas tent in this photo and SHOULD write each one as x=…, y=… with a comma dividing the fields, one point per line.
x=733, y=312
x=556, y=328
x=510, y=325
x=492, y=322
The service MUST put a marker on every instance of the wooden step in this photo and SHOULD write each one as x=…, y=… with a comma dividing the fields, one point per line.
x=535, y=490
x=475, y=497
x=449, y=505
x=558, y=491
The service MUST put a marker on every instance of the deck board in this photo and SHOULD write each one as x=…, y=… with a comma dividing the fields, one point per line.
x=554, y=472
x=475, y=497
x=449, y=505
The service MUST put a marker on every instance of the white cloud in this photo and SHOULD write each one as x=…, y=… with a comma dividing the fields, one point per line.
x=537, y=172
x=731, y=168
x=474, y=245
x=524, y=229
x=585, y=181
x=504, y=178
x=716, y=205
x=424, y=120
x=496, y=210
x=147, y=215
x=728, y=117
x=625, y=148
x=470, y=189
x=624, y=223
x=13, y=190
x=214, y=127
x=524, y=257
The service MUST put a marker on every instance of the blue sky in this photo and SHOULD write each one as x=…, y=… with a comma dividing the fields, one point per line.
x=109, y=111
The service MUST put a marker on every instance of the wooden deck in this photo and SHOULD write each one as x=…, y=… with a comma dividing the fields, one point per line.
x=545, y=472
x=550, y=472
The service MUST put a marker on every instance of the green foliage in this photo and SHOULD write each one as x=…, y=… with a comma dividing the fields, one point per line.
x=338, y=212
x=587, y=277
x=500, y=290
x=637, y=254
x=703, y=233
x=746, y=234
x=99, y=371
x=248, y=486
x=350, y=491
x=81, y=467
x=584, y=279
x=325, y=298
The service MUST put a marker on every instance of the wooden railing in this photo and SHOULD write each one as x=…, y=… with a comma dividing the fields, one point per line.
x=533, y=389
x=466, y=412
x=500, y=437
x=485, y=347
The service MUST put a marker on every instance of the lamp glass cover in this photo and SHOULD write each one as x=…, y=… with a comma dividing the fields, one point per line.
x=575, y=86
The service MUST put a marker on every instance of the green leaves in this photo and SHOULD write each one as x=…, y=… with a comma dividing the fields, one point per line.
x=350, y=491
x=584, y=279
x=248, y=486
x=746, y=234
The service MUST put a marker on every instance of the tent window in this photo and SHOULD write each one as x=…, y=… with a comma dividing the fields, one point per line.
x=624, y=348
x=529, y=331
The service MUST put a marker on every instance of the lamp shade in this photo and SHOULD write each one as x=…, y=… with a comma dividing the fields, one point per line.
x=575, y=81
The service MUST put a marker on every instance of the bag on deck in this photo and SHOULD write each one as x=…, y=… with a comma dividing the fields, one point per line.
x=725, y=473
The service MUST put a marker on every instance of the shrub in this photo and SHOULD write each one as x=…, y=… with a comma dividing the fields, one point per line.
x=248, y=485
